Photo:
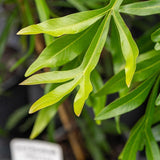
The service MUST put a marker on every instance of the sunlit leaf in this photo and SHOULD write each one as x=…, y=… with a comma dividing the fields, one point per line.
x=69, y=24
x=54, y=96
x=83, y=93
x=63, y=50
x=51, y=77
x=129, y=47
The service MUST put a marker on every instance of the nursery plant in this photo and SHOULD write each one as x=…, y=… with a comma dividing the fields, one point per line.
x=74, y=46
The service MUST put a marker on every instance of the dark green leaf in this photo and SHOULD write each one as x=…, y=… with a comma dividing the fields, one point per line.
x=129, y=102
x=156, y=36
x=142, y=8
x=152, y=149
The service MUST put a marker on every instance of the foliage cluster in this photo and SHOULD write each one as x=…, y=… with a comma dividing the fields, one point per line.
x=73, y=55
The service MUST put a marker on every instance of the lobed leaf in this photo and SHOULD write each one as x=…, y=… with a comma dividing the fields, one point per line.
x=63, y=50
x=69, y=24
x=83, y=93
x=129, y=47
x=142, y=8
x=54, y=96
x=93, y=53
x=129, y=102
x=90, y=60
x=80, y=76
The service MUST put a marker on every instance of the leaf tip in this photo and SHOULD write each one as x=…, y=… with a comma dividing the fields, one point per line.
x=31, y=136
x=25, y=82
x=128, y=84
x=77, y=114
x=21, y=32
x=31, y=110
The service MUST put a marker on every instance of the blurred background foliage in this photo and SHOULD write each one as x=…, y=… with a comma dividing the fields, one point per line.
x=16, y=53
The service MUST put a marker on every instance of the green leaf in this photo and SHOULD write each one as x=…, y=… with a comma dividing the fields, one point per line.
x=69, y=24
x=142, y=8
x=147, y=63
x=157, y=46
x=16, y=117
x=133, y=143
x=115, y=48
x=114, y=84
x=147, y=68
x=98, y=103
x=82, y=95
x=52, y=77
x=83, y=78
x=156, y=132
x=28, y=54
x=5, y=33
x=151, y=105
x=128, y=45
x=54, y=96
x=78, y=4
x=129, y=102
x=152, y=149
x=44, y=117
x=93, y=53
x=63, y=50
x=90, y=61
x=147, y=55
x=157, y=103
x=156, y=36
x=156, y=117
x=44, y=14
